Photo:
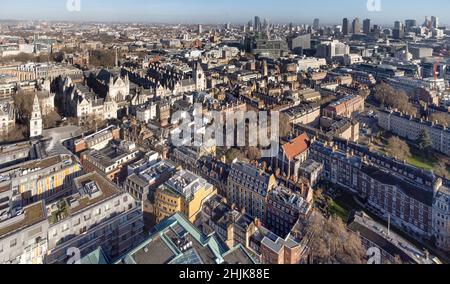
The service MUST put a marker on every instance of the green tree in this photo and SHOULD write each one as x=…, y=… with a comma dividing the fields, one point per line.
x=424, y=141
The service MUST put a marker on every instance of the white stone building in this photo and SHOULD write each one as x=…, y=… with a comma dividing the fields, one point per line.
x=36, y=119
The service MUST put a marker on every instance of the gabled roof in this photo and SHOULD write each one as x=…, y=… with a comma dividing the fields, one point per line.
x=296, y=146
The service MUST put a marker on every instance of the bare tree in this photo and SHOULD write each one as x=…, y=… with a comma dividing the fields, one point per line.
x=441, y=118
x=331, y=243
x=285, y=126
x=388, y=96
x=18, y=133
x=23, y=102
x=398, y=149
x=51, y=120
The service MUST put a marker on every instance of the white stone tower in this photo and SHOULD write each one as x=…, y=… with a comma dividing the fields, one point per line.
x=36, y=119
x=199, y=77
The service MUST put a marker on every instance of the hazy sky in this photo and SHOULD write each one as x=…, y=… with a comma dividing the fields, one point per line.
x=220, y=11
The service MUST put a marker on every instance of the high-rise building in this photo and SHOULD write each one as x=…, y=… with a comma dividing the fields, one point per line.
x=257, y=24
x=316, y=24
x=435, y=22
x=200, y=29
x=345, y=26
x=409, y=24
x=356, y=26
x=399, y=30
x=366, y=26
x=250, y=25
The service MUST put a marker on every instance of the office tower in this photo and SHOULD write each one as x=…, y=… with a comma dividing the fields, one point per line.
x=409, y=24
x=345, y=26
x=356, y=26
x=399, y=31
x=265, y=24
x=316, y=24
x=331, y=49
x=257, y=24
x=366, y=26
x=299, y=43
x=434, y=22
x=200, y=29
x=228, y=26
x=250, y=25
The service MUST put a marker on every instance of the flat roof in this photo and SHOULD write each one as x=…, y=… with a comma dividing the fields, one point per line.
x=33, y=214
x=108, y=190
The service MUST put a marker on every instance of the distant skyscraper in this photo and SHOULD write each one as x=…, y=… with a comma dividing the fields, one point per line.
x=356, y=26
x=257, y=24
x=250, y=25
x=316, y=24
x=434, y=22
x=409, y=24
x=200, y=29
x=399, y=30
x=345, y=26
x=366, y=26
x=228, y=26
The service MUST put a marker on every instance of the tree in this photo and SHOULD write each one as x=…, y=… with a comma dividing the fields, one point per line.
x=102, y=58
x=18, y=133
x=51, y=120
x=365, y=93
x=252, y=153
x=331, y=243
x=389, y=97
x=441, y=170
x=285, y=126
x=233, y=154
x=424, y=142
x=23, y=102
x=441, y=118
x=398, y=149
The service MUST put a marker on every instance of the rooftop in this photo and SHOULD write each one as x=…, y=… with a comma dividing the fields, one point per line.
x=92, y=189
x=177, y=241
x=31, y=215
x=388, y=241
x=186, y=183
x=110, y=154
x=296, y=146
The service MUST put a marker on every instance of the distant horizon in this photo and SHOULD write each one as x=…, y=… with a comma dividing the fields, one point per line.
x=200, y=23
x=213, y=12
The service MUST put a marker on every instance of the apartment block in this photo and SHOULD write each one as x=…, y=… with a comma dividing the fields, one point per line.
x=411, y=128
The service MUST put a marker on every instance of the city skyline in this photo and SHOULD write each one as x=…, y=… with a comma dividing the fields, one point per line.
x=201, y=11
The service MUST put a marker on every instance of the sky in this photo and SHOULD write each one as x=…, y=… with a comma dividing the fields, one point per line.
x=222, y=11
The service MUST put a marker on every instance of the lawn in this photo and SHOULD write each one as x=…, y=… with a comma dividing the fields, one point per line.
x=420, y=162
x=420, y=159
x=337, y=210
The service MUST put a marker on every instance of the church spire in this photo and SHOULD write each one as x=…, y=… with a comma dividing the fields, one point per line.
x=36, y=119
